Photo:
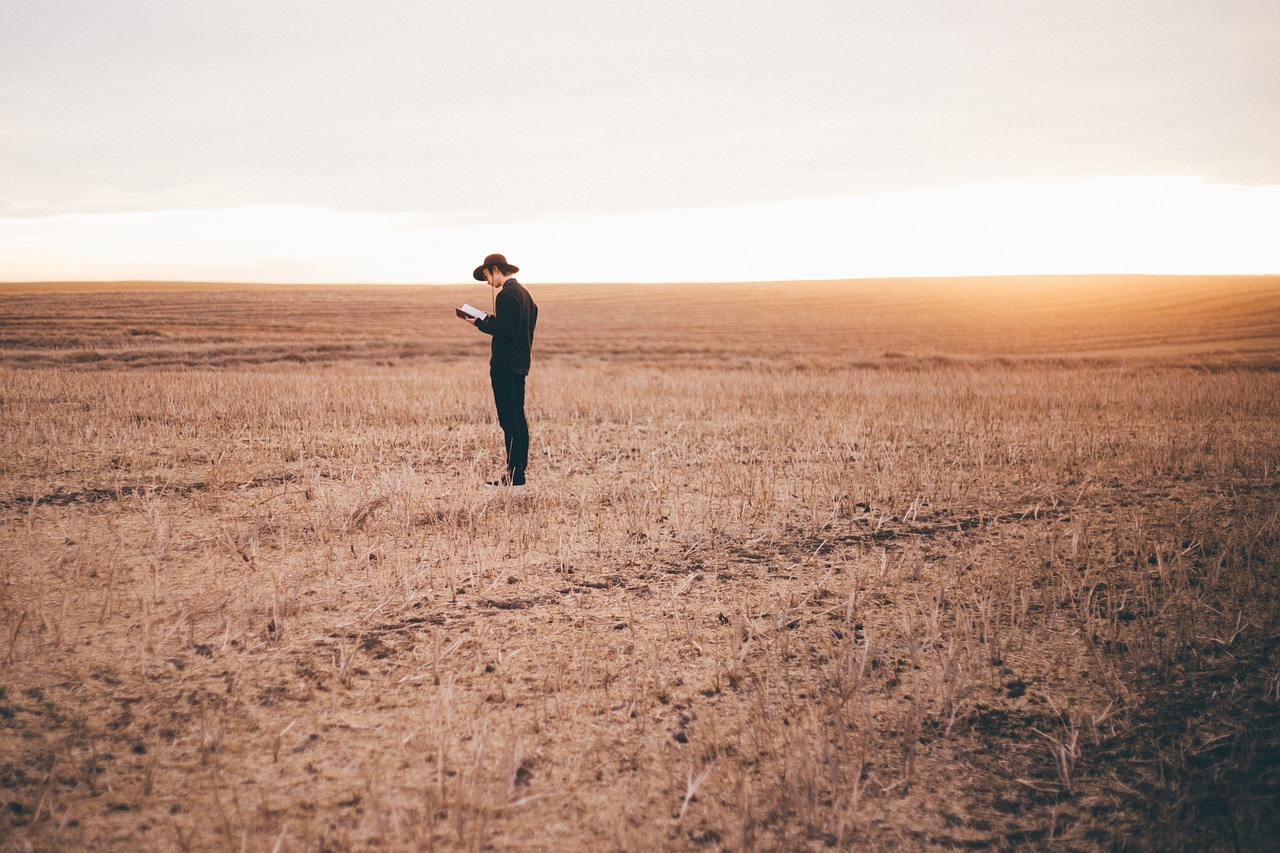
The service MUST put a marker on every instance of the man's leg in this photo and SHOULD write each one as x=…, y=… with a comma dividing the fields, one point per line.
x=519, y=458
x=508, y=398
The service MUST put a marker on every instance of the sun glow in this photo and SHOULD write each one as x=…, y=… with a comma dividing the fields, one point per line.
x=1171, y=225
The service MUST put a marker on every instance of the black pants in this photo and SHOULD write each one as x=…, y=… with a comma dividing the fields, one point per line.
x=508, y=396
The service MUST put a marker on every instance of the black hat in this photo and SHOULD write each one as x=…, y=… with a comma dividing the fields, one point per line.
x=498, y=261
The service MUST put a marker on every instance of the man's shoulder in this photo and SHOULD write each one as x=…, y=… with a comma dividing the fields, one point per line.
x=518, y=292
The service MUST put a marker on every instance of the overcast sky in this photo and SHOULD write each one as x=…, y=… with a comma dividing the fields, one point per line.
x=435, y=129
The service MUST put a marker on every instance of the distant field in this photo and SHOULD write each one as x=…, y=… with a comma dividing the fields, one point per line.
x=834, y=324
x=900, y=564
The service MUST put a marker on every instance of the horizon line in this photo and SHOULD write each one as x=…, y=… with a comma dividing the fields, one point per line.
x=13, y=286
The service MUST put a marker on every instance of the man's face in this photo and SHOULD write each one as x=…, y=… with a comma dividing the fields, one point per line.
x=491, y=275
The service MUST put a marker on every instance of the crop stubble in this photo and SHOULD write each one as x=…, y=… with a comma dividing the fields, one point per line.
x=952, y=564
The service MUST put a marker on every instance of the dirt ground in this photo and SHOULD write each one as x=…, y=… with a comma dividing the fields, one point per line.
x=966, y=564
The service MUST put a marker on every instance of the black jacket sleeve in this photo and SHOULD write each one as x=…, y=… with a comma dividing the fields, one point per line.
x=505, y=321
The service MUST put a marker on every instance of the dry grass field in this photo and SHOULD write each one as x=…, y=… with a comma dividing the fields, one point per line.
x=968, y=564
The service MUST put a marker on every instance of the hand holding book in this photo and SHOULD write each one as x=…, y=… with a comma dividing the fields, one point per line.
x=470, y=312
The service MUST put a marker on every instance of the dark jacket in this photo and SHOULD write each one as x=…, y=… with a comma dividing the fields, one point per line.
x=511, y=325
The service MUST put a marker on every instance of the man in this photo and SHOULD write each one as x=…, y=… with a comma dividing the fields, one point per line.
x=511, y=326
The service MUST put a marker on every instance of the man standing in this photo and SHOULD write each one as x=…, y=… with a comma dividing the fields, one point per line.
x=511, y=326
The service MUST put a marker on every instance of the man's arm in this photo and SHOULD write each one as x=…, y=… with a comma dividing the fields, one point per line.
x=501, y=324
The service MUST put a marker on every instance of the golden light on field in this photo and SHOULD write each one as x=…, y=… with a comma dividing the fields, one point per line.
x=1147, y=225
x=887, y=564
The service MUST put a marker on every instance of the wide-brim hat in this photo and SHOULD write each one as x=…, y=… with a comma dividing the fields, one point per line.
x=498, y=261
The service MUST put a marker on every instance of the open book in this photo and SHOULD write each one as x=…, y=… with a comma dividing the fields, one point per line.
x=470, y=311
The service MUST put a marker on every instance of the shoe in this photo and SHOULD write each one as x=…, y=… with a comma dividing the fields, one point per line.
x=504, y=482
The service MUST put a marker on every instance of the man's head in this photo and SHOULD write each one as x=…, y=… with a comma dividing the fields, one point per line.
x=495, y=270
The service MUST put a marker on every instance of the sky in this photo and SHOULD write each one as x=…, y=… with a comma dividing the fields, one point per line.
x=390, y=141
